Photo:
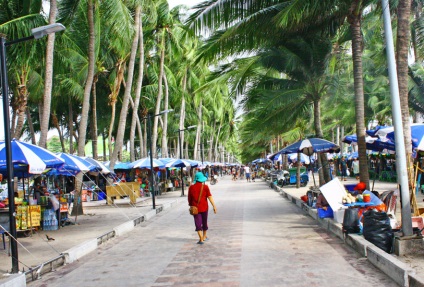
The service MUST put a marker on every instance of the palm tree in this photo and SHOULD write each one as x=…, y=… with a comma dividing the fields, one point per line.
x=89, y=80
x=402, y=52
x=128, y=87
x=45, y=114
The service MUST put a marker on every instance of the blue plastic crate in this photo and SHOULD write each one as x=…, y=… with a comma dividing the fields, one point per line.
x=325, y=213
x=101, y=195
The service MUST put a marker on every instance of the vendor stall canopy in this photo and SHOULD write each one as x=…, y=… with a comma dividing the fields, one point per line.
x=28, y=159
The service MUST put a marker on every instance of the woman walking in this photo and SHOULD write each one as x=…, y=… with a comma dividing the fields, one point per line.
x=198, y=195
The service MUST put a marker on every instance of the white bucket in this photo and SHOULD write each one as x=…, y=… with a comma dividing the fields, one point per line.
x=32, y=201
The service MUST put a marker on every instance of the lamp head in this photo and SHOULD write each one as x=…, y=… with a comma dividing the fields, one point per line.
x=42, y=31
x=166, y=111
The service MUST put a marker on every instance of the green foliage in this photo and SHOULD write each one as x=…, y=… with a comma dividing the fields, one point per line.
x=53, y=144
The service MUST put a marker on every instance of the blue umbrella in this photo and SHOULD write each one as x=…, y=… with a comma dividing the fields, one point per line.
x=28, y=158
x=177, y=163
x=145, y=163
x=193, y=163
x=353, y=155
x=100, y=166
x=372, y=143
x=261, y=160
x=122, y=165
x=292, y=157
x=310, y=146
x=417, y=135
x=73, y=165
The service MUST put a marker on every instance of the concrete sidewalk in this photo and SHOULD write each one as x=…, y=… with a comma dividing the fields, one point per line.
x=405, y=270
x=99, y=223
x=102, y=222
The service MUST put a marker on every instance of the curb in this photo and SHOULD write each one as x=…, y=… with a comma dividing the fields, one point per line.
x=75, y=253
x=392, y=267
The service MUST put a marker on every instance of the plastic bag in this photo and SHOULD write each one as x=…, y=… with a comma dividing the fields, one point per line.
x=351, y=221
x=54, y=201
x=377, y=229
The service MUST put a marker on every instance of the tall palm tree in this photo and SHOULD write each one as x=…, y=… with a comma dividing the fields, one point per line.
x=128, y=87
x=89, y=80
x=45, y=114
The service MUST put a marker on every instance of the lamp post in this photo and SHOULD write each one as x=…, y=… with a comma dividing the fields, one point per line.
x=37, y=33
x=149, y=129
x=181, y=155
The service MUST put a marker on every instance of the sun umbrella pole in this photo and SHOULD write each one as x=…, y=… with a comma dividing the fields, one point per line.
x=313, y=176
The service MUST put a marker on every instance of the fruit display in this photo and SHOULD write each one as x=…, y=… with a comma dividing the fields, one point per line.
x=348, y=198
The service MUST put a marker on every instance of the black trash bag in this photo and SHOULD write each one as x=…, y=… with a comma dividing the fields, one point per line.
x=377, y=229
x=351, y=221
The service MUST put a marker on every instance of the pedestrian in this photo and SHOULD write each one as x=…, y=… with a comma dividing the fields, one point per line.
x=343, y=168
x=198, y=195
x=355, y=168
x=247, y=171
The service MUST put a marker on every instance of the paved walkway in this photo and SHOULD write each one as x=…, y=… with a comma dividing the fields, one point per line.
x=257, y=239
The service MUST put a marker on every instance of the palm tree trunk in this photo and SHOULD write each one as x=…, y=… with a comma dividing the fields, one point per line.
x=159, y=96
x=31, y=126
x=94, y=119
x=47, y=97
x=56, y=124
x=165, y=119
x=113, y=97
x=323, y=172
x=199, y=130
x=71, y=126
x=135, y=117
x=21, y=106
x=182, y=113
x=127, y=94
x=357, y=45
x=82, y=133
x=402, y=49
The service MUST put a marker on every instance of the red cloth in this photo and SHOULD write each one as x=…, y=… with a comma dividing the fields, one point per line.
x=193, y=195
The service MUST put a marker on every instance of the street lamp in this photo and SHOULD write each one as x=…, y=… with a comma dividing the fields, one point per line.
x=149, y=129
x=181, y=155
x=36, y=34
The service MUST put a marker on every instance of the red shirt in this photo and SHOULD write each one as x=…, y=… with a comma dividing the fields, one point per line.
x=193, y=196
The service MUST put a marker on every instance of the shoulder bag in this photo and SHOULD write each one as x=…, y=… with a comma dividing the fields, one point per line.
x=193, y=209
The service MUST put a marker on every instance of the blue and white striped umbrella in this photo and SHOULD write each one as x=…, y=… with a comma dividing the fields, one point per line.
x=145, y=163
x=100, y=166
x=292, y=157
x=28, y=158
x=417, y=135
x=310, y=146
x=177, y=163
x=75, y=164
x=372, y=143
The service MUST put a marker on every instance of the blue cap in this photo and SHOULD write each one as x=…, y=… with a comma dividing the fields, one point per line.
x=199, y=177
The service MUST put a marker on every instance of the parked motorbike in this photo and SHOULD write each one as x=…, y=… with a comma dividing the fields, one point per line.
x=214, y=179
x=291, y=179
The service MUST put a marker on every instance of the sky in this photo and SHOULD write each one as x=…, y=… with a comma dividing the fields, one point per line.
x=190, y=3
